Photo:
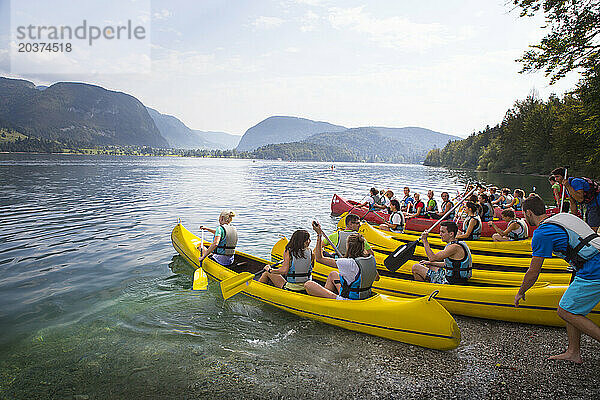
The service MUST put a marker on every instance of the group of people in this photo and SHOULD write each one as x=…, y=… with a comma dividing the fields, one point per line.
x=478, y=209
x=564, y=235
x=356, y=269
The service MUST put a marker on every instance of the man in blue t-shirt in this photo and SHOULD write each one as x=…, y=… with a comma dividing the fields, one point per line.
x=577, y=187
x=584, y=292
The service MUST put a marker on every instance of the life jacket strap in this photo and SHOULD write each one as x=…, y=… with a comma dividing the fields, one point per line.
x=297, y=274
x=584, y=242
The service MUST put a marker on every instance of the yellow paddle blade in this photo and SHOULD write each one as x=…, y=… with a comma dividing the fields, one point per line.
x=200, y=280
x=235, y=284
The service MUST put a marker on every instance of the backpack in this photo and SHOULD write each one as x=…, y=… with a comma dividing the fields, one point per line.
x=591, y=194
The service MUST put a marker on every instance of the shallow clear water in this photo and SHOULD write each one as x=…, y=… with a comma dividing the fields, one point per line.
x=94, y=301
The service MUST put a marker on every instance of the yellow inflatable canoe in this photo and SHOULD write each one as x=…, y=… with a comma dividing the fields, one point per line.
x=384, y=244
x=421, y=321
x=482, y=298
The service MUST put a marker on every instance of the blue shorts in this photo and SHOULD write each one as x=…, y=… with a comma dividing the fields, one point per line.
x=438, y=276
x=592, y=215
x=581, y=296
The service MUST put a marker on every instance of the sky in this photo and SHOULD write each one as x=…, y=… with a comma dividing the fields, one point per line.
x=227, y=65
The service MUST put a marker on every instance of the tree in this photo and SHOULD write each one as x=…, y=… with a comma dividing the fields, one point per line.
x=572, y=42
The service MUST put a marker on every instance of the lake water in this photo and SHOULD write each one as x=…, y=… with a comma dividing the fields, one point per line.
x=94, y=303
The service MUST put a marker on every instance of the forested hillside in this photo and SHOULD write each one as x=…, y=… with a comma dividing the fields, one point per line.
x=536, y=136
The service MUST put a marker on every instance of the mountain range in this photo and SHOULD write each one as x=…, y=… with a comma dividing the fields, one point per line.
x=289, y=137
x=79, y=115
x=283, y=129
x=76, y=113
x=179, y=136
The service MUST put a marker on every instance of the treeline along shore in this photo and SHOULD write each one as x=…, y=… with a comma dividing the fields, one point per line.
x=284, y=151
x=536, y=136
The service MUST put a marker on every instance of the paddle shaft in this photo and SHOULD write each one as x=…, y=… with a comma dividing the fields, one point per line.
x=404, y=252
x=201, y=244
x=262, y=271
x=439, y=221
x=337, y=251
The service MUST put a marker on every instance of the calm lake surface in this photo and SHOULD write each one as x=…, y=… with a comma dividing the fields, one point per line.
x=94, y=303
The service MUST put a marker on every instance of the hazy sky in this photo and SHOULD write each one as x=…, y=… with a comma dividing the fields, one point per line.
x=226, y=65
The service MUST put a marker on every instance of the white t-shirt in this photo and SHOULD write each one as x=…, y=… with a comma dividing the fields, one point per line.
x=348, y=268
x=370, y=200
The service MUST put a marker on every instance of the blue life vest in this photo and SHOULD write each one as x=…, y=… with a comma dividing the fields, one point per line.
x=583, y=242
x=459, y=270
x=521, y=233
x=476, y=234
x=300, y=268
x=360, y=287
x=226, y=245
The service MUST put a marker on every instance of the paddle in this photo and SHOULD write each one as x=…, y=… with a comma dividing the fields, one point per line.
x=200, y=281
x=235, y=284
x=403, y=253
x=317, y=228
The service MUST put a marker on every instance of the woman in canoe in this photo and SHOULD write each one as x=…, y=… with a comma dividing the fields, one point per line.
x=471, y=229
x=223, y=245
x=355, y=273
x=396, y=223
x=297, y=265
x=516, y=229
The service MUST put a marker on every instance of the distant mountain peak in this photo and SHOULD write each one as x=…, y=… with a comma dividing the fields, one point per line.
x=283, y=129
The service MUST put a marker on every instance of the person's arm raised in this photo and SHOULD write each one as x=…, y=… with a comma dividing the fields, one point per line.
x=319, y=257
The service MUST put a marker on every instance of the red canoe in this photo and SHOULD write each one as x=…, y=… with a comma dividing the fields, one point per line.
x=339, y=205
x=519, y=214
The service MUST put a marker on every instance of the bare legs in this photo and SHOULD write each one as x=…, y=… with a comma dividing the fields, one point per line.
x=576, y=324
x=332, y=286
x=499, y=238
x=277, y=279
x=420, y=271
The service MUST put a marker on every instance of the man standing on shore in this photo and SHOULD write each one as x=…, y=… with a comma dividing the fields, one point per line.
x=582, y=190
x=563, y=235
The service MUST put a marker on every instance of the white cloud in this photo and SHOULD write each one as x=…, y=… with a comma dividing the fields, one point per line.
x=171, y=30
x=292, y=50
x=395, y=32
x=263, y=22
x=162, y=14
x=169, y=62
x=311, y=2
x=309, y=21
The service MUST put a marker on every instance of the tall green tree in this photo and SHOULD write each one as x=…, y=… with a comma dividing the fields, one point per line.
x=572, y=42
